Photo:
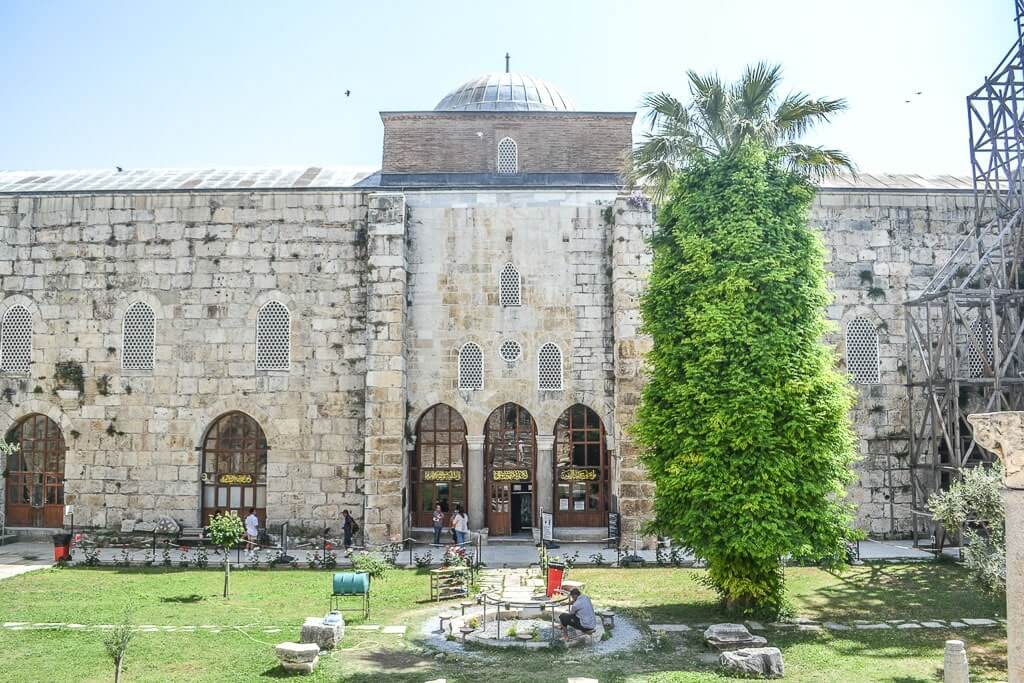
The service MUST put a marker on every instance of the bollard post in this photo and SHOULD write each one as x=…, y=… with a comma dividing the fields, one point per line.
x=954, y=669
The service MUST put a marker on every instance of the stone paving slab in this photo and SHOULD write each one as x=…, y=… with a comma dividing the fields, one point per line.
x=670, y=628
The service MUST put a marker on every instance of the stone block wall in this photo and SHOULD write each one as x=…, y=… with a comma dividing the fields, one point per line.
x=205, y=262
x=467, y=142
x=882, y=248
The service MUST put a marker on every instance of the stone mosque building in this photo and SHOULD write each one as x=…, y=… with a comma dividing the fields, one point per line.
x=459, y=327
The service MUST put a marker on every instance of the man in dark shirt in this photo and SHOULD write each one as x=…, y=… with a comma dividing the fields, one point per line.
x=348, y=527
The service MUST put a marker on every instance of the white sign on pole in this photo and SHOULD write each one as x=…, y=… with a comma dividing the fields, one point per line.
x=547, y=524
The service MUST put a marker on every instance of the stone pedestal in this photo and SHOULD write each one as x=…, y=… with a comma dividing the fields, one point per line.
x=326, y=636
x=761, y=662
x=724, y=637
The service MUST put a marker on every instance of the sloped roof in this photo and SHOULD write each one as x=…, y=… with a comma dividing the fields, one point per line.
x=341, y=177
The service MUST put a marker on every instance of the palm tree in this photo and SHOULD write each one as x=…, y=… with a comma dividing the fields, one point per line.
x=721, y=117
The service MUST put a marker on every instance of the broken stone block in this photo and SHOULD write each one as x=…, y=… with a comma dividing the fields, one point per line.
x=298, y=657
x=731, y=637
x=765, y=662
x=326, y=636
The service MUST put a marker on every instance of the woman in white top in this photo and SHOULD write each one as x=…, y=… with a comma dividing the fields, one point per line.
x=252, y=529
x=460, y=525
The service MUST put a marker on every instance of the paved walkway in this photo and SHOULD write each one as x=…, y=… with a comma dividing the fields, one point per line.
x=18, y=558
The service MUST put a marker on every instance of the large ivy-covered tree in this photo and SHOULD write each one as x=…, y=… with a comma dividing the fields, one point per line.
x=744, y=418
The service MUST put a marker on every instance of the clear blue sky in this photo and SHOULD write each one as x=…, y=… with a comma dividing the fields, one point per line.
x=217, y=83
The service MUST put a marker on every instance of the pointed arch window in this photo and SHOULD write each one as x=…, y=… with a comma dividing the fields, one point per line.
x=471, y=367
x=16, y=340
x=273, y=337
x=510, y=286
x=137, y=337
x=508, y=156
x=862, y=351
x=549, y=368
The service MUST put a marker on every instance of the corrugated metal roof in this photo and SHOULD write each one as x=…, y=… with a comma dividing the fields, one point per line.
x=338, y=177
x=149, y=179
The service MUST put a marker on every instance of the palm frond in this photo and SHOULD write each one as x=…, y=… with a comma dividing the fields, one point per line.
x=662, y=106
x=816, y=163
x=798, y=113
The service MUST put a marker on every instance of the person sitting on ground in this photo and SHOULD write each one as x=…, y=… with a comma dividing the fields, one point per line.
x=252, y=529
x=580, y=615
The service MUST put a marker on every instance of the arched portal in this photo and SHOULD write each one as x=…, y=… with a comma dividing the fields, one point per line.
x=510, y=452
x=581, y=469
x=234, y=467
x=35, y=474
x=438, y=467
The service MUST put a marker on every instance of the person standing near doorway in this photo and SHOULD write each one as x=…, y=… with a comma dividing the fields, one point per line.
x=460, y=525
x=348, y=527
x=252, y=529
x=438, y=519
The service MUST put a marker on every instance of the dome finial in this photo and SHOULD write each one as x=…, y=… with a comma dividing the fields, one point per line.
x=507, y=57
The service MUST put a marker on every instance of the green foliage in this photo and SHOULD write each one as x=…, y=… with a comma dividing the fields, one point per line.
x=117, y=642
x=374, y=566
x=69, y=375
x=975, y=503
x=226, y=530
x=744, y=418
x=722, y=118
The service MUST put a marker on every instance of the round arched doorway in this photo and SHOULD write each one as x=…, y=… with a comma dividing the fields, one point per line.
x=234, y=473
x=35, y=474
x=580, y=469
x=438, y=467
x=510, y=451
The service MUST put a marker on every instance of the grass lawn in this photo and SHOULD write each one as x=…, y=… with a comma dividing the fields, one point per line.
x=262, y=599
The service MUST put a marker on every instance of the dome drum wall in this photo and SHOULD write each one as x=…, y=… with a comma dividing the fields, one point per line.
x=467, y=141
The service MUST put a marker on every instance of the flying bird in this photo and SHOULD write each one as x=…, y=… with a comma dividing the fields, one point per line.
x=347, y=93
x=119, y=169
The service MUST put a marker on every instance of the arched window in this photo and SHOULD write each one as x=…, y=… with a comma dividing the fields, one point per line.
x=980, y=351
x=581, y=468
x=235, y=467
x=510, y=447
x=16, y=340
x=549, y=368
x=471, y=367
x=509, y=286
x=862, y=351
x=35, y=474
x=137, y=337
x=439, y=467
x=508, y=156
x=273, y=337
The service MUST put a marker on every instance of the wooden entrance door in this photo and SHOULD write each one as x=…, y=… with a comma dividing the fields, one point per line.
x=510, y=445
x=437, y=470
x=580, y=469
x=234, y=468
x=35, y=477
x=499, y=521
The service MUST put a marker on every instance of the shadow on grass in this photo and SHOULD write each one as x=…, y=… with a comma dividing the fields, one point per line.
x=183, y=599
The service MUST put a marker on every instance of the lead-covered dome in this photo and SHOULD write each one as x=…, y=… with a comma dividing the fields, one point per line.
x=505, y=92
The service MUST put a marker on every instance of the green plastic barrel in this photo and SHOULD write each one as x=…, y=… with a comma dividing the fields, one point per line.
x=351, y=583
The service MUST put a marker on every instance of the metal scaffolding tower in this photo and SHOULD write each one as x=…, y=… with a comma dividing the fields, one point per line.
x=964, y=332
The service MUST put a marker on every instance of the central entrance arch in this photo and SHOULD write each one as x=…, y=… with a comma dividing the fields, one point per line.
x=510, y=451
x=35, y=474
x=234, y=471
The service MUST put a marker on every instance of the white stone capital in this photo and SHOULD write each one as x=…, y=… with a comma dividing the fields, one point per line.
x=1003, y=434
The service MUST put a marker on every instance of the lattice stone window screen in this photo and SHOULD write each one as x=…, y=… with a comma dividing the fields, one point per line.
x=980, y=352
x=508, y=156
x=137, y=337
x=510, y=286
x=273, y=337
x=510, y=351
x=471, y=367
x=16, y=340
x=862, y=351
x=549, y=367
